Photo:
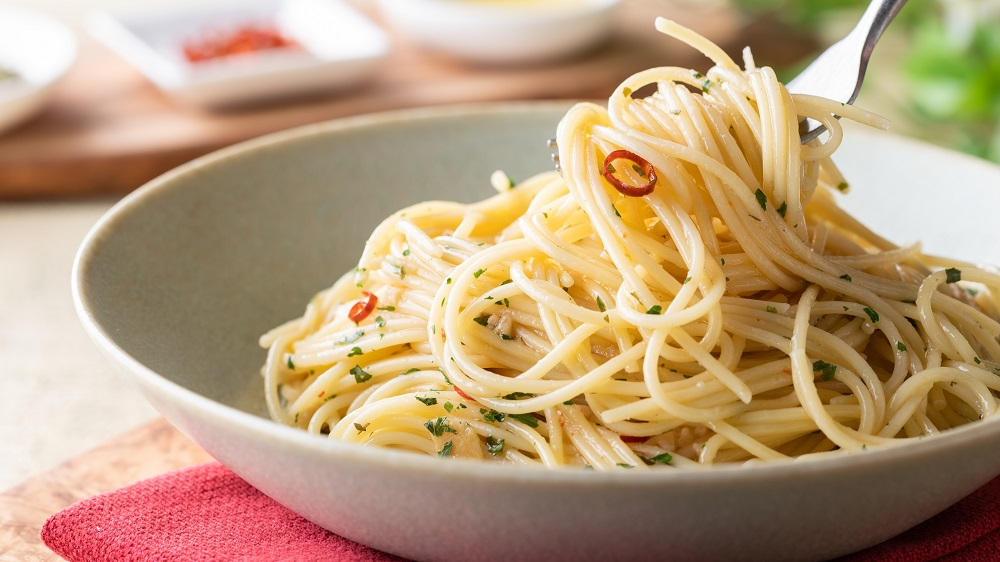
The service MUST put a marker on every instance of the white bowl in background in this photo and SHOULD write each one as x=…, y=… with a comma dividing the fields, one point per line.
x=180, y=278
x=39, y=50
x=499, y=32
x=338, y=47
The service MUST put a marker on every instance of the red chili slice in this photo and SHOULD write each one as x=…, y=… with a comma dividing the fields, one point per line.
x=464, y=395
x=630, y=190
x=363, y=308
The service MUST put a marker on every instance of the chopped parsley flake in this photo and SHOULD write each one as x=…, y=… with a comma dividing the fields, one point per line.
x=783, y=209
x=527, y=419
x=361, y=428
x=355, y=351
x=482, y=320
x=427, y=401
x=518, y=395
x=952, y=275
x=350, y=339
x=492, y=416
x=600, y=305
x=448, y=406
x=447, y=281
x=842, y=186
x=506, y=337
x=871, y=314
x=826, y=370
x=478, y=273
x=772, y=309
x=615, y=209
x=506, y=281
x=846, y=277
x=406, y=252
x=901, y=346
x=655, y=309
x=379, y=321
x=439, y=427
x=761, y=199
x=290, y=363
x=387, y=308
x=411, y=370
x=977, y=361
x=663, y=458
x=446, y=450
x=494, y=446
x=360, y=375
x=687, y=280
x=623, y=465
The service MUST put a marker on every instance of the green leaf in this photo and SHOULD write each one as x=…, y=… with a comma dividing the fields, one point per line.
x=429, y=401
x=360, y=375
x=871, y=314
x=446, y=450
x=494, y=446
x=526, y=419
x=761, y=199
x=952, y=275
x=826, y=370
x=663, y=458
x=438, y=427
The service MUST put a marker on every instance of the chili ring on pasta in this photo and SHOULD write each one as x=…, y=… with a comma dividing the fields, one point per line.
x=684, y=291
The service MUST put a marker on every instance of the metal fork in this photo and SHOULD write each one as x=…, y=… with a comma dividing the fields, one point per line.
x=837, y=73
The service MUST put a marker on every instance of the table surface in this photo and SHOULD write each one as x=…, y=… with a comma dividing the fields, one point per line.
x=144, y=452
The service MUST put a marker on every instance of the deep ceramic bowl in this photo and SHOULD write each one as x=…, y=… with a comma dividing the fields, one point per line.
x=179, y=279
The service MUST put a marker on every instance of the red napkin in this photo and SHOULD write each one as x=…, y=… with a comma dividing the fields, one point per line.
x=208, y=513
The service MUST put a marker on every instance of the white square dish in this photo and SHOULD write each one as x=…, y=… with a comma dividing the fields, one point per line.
x=336, y=47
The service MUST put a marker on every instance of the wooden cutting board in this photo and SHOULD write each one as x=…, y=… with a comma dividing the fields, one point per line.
x=142, y=453
x=108, y=130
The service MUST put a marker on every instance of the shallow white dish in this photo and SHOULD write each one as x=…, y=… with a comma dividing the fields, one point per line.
x=40, y=50
x=179, y=279
x=338, y=47
x=503, y=32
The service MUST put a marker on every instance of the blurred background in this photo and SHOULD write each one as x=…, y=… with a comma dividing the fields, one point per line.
x=99, y=96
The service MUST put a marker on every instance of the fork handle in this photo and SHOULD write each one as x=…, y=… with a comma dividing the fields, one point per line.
x=875, y=20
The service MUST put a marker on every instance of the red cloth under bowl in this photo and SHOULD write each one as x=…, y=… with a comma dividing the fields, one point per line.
x=208, y=513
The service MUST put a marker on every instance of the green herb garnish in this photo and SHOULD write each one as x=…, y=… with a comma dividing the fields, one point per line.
x=761, y=199
x=527, y=419
x=360, y=375
x=494, y=446
x=439, y=427
x=826, y=370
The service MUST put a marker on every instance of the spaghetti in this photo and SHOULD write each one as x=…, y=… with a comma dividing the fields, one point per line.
x=727, y=311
